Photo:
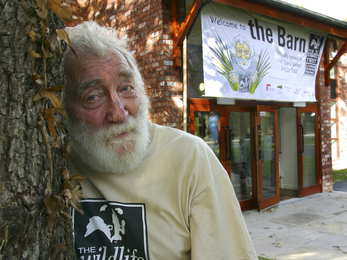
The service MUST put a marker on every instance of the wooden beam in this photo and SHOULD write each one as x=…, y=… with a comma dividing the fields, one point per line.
x=326, y=62
x=177, y=55
x=332, y=63
x=180, y=32
x=286, y=16
x=175, y=25
x=178, y=37
x=188, y=21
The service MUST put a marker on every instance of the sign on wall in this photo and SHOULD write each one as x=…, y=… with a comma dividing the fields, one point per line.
x=250, y=56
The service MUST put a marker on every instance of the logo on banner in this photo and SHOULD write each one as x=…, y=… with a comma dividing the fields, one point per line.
x=243, y=68
x=110, y=230
x=313, y=57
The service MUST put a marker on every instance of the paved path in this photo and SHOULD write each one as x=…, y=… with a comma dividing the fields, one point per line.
x=311, y=228
x=340, y=186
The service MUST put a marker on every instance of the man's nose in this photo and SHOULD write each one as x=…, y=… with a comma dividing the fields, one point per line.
x=116, y=113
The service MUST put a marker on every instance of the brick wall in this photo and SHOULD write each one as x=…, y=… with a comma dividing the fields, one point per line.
x=324, y=113
x=325, y=137
x=79, y=11
x=148, y=27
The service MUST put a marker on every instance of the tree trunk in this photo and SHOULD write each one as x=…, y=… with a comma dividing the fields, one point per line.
x=25, y=168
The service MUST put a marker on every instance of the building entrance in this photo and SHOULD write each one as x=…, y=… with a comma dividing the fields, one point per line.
x=230, y=132
x=269, y=152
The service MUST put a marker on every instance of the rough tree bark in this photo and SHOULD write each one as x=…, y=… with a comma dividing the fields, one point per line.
x=25, y=177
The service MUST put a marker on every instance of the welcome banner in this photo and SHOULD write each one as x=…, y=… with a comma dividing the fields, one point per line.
x=250, y=56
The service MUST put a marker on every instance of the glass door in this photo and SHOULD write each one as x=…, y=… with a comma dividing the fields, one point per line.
x=205, y=122
x=242, y=159
x=230, y=132
x=309, y=177
x=268, y=174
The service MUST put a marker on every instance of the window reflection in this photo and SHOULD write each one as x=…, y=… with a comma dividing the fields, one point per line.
x=308, y=121
x=207, y=128
x=268, y=153
x=241, y=154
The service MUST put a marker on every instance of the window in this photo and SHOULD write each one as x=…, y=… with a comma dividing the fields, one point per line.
x=196, y=87
x=333, y=104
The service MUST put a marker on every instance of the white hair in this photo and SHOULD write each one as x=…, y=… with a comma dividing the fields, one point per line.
x=89, y=38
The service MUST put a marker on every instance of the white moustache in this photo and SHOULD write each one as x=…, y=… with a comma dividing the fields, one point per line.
x=130, y=125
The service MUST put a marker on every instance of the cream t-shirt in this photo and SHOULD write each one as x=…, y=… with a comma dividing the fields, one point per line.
x=177, y=204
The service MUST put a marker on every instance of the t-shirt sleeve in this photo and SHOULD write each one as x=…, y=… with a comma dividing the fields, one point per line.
x=218, y=230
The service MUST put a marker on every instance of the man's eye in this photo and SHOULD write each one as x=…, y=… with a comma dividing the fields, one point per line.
x=92, y=98
x=127, y=91
x=127, y=88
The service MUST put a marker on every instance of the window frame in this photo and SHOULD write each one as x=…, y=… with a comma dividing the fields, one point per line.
x=332, y=52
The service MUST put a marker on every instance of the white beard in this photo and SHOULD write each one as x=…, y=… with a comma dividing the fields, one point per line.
x=101, y=151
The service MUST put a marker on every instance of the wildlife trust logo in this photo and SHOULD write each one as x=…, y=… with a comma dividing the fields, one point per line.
x=97, y=223
x=312, y=58
x=110, y=231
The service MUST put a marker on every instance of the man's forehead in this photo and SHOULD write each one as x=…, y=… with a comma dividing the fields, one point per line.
x=87, y=84
x=92, y=64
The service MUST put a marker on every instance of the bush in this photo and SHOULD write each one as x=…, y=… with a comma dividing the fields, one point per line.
x=339, y=175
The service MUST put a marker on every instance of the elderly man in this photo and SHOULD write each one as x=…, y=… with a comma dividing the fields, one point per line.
x=153, y=192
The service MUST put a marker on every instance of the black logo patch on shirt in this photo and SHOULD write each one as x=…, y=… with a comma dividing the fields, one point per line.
x=110, y=231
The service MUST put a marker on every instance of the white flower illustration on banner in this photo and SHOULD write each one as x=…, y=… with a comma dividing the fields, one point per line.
x=243, y=70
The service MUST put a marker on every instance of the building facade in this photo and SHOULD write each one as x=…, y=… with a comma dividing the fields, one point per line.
x=272, y=149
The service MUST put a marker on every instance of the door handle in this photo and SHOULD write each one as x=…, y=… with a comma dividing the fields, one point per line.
x=302, y=139
x=229, y=158
x=226, y=133
x=259, y=144
x=254, y=155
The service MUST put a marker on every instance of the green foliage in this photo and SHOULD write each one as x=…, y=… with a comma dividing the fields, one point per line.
x=264, y=258
x=223, y=61
x=339, y=175
x=263, y=67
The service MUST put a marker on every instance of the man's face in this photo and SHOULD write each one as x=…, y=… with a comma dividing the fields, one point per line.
x=107, y=117
x=101, y=91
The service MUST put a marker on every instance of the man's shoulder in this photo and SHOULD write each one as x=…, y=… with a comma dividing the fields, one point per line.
x=169, y=133
x=182, y=147
x=178, y=141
